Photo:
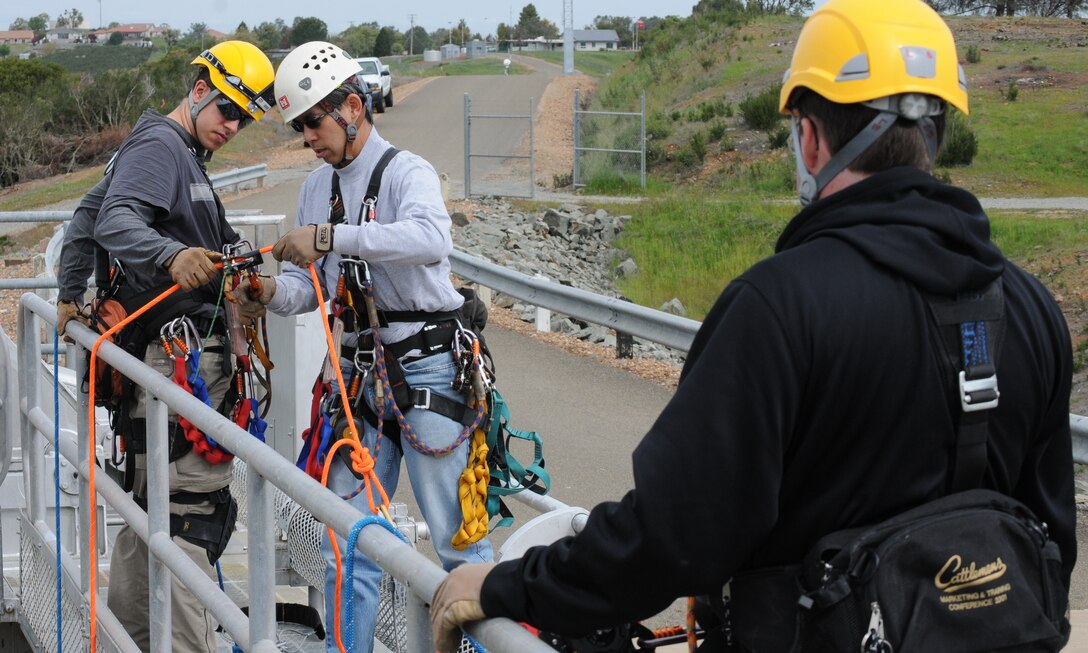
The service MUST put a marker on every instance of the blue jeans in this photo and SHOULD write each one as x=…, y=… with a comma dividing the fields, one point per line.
x=434, y=482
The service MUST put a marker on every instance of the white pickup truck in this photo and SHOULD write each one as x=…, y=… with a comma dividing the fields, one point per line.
x=376, y=80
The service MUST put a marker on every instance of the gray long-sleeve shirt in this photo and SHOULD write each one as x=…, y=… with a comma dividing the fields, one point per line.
x=407, y=245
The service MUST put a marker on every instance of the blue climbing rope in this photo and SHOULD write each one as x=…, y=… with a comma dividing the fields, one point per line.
x=219, y=572
x=56, y=476
x=349, y=572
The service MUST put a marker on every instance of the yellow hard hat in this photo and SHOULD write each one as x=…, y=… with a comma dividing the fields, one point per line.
x=853, y=51
x=240, y=71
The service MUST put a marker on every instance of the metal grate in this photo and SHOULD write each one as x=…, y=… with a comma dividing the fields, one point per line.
x=38, y=593
x=304, y=535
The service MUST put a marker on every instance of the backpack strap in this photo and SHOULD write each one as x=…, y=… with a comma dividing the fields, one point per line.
x=337, y=215
x=971, y=330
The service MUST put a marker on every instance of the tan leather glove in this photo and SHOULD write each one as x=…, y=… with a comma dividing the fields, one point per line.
x=251, y=302
x=304, y=245
x=66, y=312
x=193, y=267
x=457, y=601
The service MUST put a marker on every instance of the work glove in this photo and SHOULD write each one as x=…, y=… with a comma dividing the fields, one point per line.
x=457, y=601
x=304, y=245
x=251, y=302
x=194, y=267
x=66, y=312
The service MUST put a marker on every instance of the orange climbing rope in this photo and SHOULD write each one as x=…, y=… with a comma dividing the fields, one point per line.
x=92, y=584
x=362, y=461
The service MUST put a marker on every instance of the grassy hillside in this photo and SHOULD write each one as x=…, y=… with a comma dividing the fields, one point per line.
x=97, y=58
x=696, y=74
x=721, y=189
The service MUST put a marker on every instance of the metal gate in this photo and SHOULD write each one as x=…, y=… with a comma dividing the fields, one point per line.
x=599, y=140
x=500, y=173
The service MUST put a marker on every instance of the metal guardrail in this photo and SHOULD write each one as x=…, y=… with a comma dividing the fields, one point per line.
x=235, y=178
x=265, y=468
x=655, y=326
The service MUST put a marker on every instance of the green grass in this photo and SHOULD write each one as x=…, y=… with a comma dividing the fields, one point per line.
x=97, y=58
x=33, y=195
x=1035, y=146
x=690, y=247
x=594, y=64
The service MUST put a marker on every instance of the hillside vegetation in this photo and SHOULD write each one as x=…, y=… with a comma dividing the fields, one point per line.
x=1026, y=80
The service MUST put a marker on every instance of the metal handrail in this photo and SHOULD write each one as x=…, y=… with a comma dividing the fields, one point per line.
x=419, y=574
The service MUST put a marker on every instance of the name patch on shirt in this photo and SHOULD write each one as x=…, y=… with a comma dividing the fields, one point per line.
x=201, y=192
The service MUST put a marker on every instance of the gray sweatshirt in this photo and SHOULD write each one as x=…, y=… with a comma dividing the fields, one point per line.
x=407, y=245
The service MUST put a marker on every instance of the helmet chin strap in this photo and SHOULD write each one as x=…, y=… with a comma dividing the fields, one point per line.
x=912, y=106
x=352, y=131
x=195, y=107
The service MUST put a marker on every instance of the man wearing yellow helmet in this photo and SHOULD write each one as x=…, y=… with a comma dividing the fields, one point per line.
x=818, y=396
x=156, y=213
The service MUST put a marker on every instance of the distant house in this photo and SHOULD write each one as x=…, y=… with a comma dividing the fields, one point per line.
x=596, y=39
x=17, y=37
x=217, y=36
x=133, y=33
x=584, y=39
x=64, y=36
x=479, y=48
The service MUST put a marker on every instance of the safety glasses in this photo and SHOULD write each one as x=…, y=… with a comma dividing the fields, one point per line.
x=258, y=101
x=232, y=111
x=311, y=121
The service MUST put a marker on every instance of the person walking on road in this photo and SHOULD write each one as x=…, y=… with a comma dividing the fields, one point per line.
x=386, y=219
x=812, y=398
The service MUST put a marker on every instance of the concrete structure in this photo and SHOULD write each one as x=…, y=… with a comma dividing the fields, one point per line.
x=64, y=36
x=478, y=48
x=450, y=51
x=432, y=56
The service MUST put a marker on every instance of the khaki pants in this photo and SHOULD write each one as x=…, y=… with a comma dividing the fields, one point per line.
x=193, y=628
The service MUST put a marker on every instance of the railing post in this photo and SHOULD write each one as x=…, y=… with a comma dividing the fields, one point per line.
x=625, y=345
x=83, y=439
x=158, y=523
x=642, y=141
x=577, y=136
x=262, y=559
x=33, y=447
x=468, y=147
x=532, y=152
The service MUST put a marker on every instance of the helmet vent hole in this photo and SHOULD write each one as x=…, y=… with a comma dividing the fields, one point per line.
x=305, y=65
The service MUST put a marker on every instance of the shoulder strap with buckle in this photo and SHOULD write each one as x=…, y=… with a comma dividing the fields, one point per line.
x=971, y=329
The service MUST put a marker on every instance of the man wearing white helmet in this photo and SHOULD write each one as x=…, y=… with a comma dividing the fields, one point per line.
x=820, y=394
x=402, y=232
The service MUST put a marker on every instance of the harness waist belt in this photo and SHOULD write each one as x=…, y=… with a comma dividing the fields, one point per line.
x=434, y=338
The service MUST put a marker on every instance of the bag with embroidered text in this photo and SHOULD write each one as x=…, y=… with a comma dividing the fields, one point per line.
x=972, y=571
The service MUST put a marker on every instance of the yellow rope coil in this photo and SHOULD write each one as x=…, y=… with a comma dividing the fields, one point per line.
x=473, y=492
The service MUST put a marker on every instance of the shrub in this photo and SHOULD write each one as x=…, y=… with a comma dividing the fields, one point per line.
x=698, y=146
x=973, y=54
x=676, y=116
x=1012, y=92
x=562, y=180
x=717, y=130
x=761, y=111
x=960, y=143
x=779, y=137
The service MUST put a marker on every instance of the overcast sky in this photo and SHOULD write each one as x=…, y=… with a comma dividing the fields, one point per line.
x=224, y=15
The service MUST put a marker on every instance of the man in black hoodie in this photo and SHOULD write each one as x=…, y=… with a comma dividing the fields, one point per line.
x=812, y=399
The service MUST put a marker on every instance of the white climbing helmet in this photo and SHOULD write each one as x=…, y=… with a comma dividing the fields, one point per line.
x=308, y=74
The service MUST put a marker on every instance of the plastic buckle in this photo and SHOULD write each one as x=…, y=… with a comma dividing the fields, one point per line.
x=978, y=394
x=426, y=393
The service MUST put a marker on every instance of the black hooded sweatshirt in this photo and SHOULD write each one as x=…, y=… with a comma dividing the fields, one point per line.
x=812, y=400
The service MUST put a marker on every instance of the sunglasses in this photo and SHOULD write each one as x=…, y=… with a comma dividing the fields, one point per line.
x=232, y=111
x=313, y=122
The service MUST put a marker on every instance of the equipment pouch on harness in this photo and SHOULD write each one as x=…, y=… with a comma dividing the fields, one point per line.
x=210, y=532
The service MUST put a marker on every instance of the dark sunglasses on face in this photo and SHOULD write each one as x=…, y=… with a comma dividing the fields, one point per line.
x=232, y=111
x=311, y=121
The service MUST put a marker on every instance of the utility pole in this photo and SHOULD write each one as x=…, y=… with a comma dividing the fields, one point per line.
x=411, y=36
x=568, y=37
